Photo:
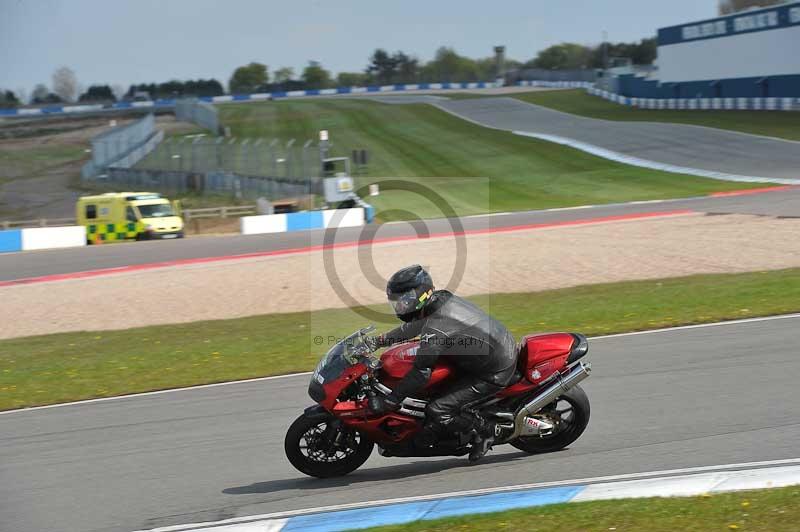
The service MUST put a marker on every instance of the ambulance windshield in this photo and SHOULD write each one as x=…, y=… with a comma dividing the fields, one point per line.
x=158, y=210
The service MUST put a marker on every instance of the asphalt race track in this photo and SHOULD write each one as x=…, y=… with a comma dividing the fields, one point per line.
x=704, y=148
x=40, y=263
x=661, y=400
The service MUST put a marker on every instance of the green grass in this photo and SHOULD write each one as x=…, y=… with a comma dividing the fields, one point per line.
x=773, y=510
x=495, y=170
x=64, y=367
x=17, y=163
x=780, y=124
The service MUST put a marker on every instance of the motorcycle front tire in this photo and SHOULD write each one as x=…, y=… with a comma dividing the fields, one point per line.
x=301, y=462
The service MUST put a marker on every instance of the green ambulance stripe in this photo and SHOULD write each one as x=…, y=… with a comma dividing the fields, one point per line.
x=114, y=232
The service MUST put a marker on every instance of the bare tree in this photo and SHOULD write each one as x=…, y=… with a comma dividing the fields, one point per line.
x=118, y=90
x=283, y=74
x=726, y=7
x=65, y=84
x=22, y=94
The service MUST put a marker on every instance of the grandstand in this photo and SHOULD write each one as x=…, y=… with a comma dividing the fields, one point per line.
x=749, y=54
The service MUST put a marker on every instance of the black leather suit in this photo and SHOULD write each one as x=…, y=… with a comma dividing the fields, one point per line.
x=479, y=348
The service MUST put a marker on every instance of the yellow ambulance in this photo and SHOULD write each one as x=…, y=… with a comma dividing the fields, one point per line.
x=119, y=216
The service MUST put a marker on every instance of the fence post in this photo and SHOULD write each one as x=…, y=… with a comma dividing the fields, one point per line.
x=289, y=157
x=257, y=156
x=243, y=157
x=230, y=156
x=272, y=156
x=194, y=153
x=218, y=151
x=307, y=175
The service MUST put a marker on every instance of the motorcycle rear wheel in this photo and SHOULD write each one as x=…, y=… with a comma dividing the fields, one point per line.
x=570, y=428
x=310, y=454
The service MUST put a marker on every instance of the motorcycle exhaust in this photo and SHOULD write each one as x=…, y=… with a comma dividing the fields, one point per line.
x=563, y=384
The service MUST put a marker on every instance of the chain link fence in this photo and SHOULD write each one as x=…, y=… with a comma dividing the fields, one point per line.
x=209, y=183
x=201, y=113
x=257, y=157
x=122, y=146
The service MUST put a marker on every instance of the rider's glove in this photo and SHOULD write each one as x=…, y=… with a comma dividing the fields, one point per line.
x=373, y=343
x=382, y=405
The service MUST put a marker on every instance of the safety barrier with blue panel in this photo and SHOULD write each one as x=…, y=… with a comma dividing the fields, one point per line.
x=733, y=104
x=304, y=221
x=170, y=102
x=749, y=103
x=42, y=238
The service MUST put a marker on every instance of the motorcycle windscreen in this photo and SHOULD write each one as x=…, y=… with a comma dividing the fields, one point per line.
x=332, y=365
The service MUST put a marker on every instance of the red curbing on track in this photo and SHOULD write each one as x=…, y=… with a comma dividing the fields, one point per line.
x=308, y=249
x=748, y=192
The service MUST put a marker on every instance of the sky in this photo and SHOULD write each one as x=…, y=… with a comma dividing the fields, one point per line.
x=135, y=41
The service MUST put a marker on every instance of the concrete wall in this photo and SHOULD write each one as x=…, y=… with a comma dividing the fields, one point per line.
x=301, y=221
x=42, y=238
x=748, y=54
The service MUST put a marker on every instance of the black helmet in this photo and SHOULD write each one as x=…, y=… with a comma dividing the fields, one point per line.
x=409, y=290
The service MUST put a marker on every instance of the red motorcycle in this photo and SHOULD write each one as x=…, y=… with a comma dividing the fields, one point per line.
x=542, y=410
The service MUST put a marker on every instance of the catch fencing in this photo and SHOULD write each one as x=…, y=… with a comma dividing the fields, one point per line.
x=249, y=156
x=201, y=113
x=122, y=146
x=220, y=183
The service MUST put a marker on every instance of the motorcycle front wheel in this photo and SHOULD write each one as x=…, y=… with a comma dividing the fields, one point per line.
x=325, y=448
x=571, y=413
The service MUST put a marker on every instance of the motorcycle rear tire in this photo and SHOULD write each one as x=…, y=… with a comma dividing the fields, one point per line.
x=548, y=444
x=313, y=468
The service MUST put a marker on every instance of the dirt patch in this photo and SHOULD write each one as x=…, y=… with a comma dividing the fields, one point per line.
x=40, y=162
x=502, y=262
x=212, y=226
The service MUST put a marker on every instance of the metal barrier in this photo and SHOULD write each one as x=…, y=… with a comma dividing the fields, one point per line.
x=122, y=146
x=41, y=222
x=249, y=156
x=201, y=113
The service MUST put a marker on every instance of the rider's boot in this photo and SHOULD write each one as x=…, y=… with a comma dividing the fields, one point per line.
x=482, y=440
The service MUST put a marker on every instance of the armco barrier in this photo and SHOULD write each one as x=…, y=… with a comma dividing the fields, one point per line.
x=42, y=238
x=301, y=221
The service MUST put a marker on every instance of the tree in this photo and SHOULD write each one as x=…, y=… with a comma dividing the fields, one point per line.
x=385, y=69
x=98, y=93
x=316, y=77
x=118, y=91
x=641, y=53
x=407, y=68
x=727, y=7
x=283, y=74
x=563, y=56
x=8, y=99
x=65, y=84
x=248, y=78
x=22, y=95
x=381, y=68
x=448, y=66
x=351, y=79
x=40, y=92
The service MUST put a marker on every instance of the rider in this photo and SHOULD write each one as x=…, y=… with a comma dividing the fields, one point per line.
x=478, y=347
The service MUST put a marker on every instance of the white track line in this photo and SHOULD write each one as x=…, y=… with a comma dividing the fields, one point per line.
x=484, y=491
x=274, y=377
